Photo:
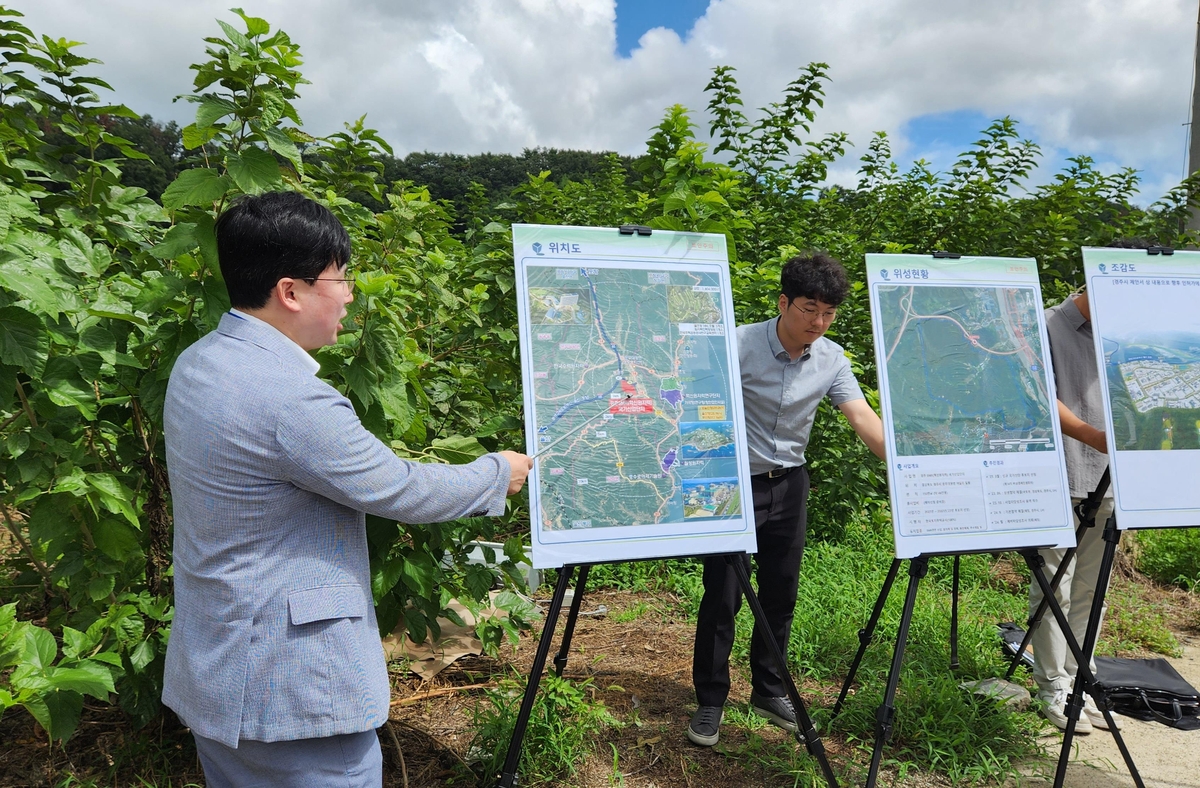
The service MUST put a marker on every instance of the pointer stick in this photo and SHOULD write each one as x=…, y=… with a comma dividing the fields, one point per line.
x=561, y=438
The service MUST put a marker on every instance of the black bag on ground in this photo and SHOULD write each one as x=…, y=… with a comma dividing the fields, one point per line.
x=1148, y=689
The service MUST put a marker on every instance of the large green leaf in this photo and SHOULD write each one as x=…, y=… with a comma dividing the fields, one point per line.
x=8, y=385
x=142, y=654
x=255, y=25
x=114, y=496
x=109, y=304
x=458, y=449
x=393, y=395
x=180, y=239
x=199, y=186
x=254, y=170
x=211, y=109
x=57, y=712
x=81, y=255
x=281, y=143
x=86, y=678
x=115, y=539
x=40, y=648
x=35, y=280
x=479, y=581
x=385, y=578
x=23, y=340
x=65, y=386
x=418, y=573
x=101, y=340
x=157, y=291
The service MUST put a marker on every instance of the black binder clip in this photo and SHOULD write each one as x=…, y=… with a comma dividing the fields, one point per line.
x=939, y=255
x=1165, y=251
x=631, y=229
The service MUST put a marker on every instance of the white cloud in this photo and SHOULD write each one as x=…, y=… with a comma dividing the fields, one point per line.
x=1102, y=77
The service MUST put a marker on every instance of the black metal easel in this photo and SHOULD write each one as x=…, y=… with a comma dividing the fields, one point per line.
x=917, y=569
x=1084, y=680
x=805, y=732
x=1086, y=512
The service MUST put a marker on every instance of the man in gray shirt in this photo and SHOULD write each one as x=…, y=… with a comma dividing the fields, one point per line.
x=1077, y=379
x=787, y=366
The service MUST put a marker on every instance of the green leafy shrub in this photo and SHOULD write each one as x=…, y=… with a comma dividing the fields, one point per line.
x=562, y=729
x=1171, y=555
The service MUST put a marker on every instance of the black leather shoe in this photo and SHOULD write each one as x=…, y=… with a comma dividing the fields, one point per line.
x=778, y=710
x=705, y=727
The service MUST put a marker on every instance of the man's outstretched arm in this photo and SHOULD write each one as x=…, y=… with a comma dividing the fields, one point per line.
x=866, y=423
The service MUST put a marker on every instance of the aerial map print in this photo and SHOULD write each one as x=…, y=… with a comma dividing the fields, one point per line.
x=631, y=397
x=965, y=369
x=1154, y=389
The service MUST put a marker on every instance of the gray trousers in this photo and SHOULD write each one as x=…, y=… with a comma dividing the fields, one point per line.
x=1054, y=665
x=351, y=760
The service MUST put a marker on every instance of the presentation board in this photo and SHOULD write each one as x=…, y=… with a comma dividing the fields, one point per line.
x=1146, y=326
x=633, y=399
x=975, y=461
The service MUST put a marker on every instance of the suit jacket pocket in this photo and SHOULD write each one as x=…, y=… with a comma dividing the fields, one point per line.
x=326, y=602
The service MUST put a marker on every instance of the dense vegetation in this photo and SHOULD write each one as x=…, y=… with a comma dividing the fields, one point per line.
x=103, y=284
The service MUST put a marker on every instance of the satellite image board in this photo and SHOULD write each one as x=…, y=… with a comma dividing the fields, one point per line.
x=632, y=395
x=965, y=369
x=967, y=394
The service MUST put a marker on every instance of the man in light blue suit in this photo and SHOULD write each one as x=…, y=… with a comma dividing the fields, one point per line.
x=274, y=660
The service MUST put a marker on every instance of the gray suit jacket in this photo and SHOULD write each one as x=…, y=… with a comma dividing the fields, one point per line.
x=274, y=636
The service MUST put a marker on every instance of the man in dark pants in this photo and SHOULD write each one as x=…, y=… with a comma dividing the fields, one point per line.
x=788, y=366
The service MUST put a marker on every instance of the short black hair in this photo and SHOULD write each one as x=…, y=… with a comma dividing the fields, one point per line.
x=267, y=237
x=816, y=275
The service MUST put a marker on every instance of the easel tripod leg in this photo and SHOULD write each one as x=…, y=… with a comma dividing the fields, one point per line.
x=508, y=776
x=1084, y=679
x=954, y=614
x=917, y=569
x=805, y=730
x=867, y=633
x=1085, y=512
x=1036, y=619
x=560, y=660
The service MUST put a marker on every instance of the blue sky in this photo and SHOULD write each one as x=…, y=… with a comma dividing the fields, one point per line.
x=635, y=17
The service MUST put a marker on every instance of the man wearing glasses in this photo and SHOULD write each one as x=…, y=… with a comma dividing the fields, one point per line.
x=787, y=366
x=274, y=660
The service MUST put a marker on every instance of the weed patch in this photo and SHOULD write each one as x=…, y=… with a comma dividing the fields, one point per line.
x=1171, y=555
x=562, y=729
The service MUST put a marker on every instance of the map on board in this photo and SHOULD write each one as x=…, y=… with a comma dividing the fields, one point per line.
x=1154, y=390
x=965, y=369
x=631, y=397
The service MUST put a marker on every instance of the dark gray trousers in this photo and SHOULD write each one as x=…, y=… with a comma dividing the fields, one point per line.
x=780, y=518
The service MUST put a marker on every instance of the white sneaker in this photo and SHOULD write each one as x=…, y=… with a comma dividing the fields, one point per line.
x=1054, y=705
x=1093, y=714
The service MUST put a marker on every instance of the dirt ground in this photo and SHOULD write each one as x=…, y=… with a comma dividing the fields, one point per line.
x=642, y=665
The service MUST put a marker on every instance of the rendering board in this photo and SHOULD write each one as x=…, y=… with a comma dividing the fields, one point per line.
x=1147, y=331
x=971, y=424
x=633, y=405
